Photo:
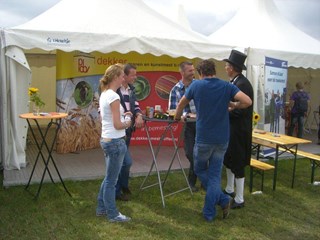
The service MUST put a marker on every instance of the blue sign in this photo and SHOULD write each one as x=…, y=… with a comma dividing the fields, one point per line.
x=272, y=62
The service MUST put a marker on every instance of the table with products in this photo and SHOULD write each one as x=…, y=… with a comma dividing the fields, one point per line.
x=169, y=123
x=281, y=143
x=44, y=148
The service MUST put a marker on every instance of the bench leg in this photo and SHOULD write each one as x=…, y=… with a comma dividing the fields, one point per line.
x=312, y=170
x=251, y=179
x=262, y=180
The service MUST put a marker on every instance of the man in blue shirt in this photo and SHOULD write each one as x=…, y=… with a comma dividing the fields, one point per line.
x=212, y=98
x=187, y=74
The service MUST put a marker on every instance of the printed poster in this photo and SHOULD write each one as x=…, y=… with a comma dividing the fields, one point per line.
x=78, y=92
x=276, y=74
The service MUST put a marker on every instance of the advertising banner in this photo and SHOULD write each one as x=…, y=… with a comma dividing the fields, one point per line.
x=275, y=89
x=78, y=92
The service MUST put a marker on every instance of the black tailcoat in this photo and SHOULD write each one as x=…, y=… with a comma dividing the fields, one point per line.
x=238, y=154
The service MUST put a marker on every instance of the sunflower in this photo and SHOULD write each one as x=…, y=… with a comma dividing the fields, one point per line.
x=32, y=91
x=35, y=97
x=255, y=119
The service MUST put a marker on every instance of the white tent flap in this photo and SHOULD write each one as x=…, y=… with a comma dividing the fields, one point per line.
x=258, y=25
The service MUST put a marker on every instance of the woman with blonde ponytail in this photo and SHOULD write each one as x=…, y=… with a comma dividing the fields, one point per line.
x=114, y=123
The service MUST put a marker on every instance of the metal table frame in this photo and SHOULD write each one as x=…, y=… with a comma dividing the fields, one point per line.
x=42, y=145
x=154, y=153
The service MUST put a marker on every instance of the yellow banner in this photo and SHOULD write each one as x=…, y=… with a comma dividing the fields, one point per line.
x=79, y=64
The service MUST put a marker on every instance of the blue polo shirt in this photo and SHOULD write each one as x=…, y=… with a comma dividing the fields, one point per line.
x=211, y=97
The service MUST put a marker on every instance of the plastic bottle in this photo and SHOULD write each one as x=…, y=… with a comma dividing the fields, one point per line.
x=127, y=118
x=151, y=112
x=316, y=183
x=257, y=192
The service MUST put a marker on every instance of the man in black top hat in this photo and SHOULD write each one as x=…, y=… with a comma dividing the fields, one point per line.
x=238, y=154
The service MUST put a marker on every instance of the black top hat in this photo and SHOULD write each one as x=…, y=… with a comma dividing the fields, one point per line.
x=237, y=58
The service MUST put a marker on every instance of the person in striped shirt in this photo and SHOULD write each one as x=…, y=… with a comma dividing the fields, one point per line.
x=129, y=103
x=177, y=92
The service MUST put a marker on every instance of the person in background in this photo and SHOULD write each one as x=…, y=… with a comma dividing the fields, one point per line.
x=299, y=104
x=112, y=141
x=277, y=113
x=129, y=102
x=238, y=154
x=272, y=111
x=212, y=98
x=187, y=74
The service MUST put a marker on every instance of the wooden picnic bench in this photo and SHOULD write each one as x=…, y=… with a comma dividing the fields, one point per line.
x=258, y=167
x=314, y=159
x=287, y=143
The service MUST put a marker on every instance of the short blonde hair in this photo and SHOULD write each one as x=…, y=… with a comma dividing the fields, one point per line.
x=111, y=73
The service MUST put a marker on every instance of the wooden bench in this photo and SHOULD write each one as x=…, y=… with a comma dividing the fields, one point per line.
x=314, y=159
x=258, y=167
x=267, y=144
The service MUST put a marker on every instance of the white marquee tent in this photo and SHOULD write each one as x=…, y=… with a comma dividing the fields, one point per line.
x=87, y=26
x=260, y=29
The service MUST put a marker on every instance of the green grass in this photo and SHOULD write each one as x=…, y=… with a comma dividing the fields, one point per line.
x=284, y=214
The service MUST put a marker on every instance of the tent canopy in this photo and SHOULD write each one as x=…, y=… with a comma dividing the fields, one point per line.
x=96, y=25
x=259, y=26
x=106, y=26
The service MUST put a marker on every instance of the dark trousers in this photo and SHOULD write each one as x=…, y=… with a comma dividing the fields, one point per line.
x=319, y=125
x=189, y=141
x=296, y=119
x=123, y=178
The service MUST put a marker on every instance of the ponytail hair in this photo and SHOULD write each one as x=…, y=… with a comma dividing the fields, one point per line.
x=110, y=74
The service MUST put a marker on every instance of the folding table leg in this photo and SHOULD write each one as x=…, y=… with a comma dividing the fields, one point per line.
x=154, y=164
x=294, y=165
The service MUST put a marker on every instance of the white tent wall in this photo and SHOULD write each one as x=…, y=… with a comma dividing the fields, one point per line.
x=13, y=101
x=255, y=75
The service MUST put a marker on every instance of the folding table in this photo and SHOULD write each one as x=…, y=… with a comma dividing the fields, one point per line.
x=43, y=147
x=168, y=129
x=280, y=142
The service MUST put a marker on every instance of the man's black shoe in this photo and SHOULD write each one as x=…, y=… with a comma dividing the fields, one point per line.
x=126, y=191
x=122, y=197
x=230, y=194
x=235, y=205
